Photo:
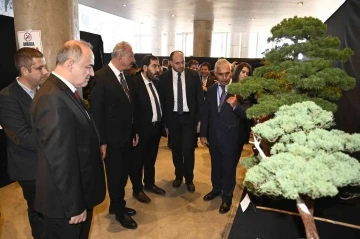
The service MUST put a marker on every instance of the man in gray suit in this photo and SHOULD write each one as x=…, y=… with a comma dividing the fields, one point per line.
x=15, y=103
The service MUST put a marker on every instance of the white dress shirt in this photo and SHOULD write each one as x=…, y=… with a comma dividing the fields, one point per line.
x=175, y=87
x=116, y=71
x=66, y=82
x=72, y=88
x=155, y=117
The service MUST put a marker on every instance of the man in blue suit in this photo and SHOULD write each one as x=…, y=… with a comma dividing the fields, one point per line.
x=223, y=130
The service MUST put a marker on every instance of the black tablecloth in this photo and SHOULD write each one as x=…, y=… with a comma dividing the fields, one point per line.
x=261, y=224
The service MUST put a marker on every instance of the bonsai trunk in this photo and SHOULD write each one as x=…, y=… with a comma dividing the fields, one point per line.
x=306, y=214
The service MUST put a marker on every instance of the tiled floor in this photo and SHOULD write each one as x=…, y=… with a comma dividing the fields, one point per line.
x=179, y=214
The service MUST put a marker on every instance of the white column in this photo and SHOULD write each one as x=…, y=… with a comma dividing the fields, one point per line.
x=244, y=45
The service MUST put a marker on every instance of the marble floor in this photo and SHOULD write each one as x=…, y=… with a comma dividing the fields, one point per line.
x=179, y=214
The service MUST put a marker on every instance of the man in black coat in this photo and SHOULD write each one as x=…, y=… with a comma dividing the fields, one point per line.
x=70, y=177
x=148, y=120
x=224, y=131
x=15, y=101
x=112, y=106
x=181, y=99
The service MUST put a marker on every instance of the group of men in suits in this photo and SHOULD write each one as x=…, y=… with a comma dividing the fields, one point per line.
x=53, y=143
x=57, y=146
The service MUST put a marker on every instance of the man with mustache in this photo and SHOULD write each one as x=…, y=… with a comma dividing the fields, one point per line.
x=224, y=131
x=112, y=106
x=148, y=121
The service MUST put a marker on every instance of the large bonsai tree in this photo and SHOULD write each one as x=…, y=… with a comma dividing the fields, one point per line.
x=307, y=161
x=287, y=78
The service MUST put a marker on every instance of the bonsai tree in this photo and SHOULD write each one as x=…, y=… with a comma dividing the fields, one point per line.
x=307, y=161
x=287, y=78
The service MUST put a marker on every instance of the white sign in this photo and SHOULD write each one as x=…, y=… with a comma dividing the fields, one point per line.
x=245, y=203
x=30, y=38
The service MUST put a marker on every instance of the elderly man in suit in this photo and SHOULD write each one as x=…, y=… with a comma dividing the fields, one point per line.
x=112, y=106
x=148, y=120
x=224, y=131
x=70, y=178
x=181, y=99
x=15, y=103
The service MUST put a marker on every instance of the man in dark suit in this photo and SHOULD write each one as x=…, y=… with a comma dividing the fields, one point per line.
x=15, y=101
x=224, y=131
x=207, y=80
x=181, y=99
x=148, y=120
x=112, y=106
x=70, y=178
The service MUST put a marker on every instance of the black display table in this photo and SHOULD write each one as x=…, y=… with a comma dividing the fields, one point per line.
x=263, y=224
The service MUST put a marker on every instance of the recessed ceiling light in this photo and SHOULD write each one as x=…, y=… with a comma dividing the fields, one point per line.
x=300, y=3
x=253, y=18
x=173, y=15
x=124, y=5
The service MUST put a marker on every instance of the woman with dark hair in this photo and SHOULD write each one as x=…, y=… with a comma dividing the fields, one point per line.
x=242, y=70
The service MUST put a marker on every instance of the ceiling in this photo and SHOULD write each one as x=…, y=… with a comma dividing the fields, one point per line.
x=228, y=15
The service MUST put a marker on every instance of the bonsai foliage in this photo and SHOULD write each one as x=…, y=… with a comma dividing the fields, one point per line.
x=286, y=79
x=306, y=159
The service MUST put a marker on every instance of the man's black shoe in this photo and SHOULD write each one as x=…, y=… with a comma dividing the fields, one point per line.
x=225, y=207
x=128, y=211
x=211, y=195
x=177, y=182
x=142, y=197
x=155, y=189
x=126, y=221
x=190, y=187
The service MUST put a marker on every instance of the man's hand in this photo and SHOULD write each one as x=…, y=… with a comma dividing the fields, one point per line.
x=198, y=128
x=135, y=140
x=79, y=218
x=103, y=151
x=167, y=132
x=204, y=141
x=232, y=101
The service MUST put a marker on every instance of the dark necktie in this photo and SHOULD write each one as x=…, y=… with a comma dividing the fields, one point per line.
x=77, y=96
x=222, y=97
x=158, y=111
x=124, y=86
x=180, y=109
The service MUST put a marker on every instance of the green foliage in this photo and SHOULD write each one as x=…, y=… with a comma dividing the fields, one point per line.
x=306, y=159
x=284, y=74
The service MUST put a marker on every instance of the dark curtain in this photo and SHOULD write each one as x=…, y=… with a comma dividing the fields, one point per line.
x=98, y=50
x=7, y=67
x=8, y=75
x=345, y=24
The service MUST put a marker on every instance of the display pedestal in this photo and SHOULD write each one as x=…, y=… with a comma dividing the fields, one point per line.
x=264, y=224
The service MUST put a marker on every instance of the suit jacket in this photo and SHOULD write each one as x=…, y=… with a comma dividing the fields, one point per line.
x=111, y=109
x=21, y=143
x=194, y=95
x=226, y=129
x=210, y=81
x=70, y=175
x=143, y=111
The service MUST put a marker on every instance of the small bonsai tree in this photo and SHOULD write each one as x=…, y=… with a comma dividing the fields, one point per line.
x=307, y=161
x=286, y=78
